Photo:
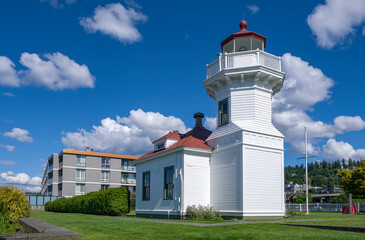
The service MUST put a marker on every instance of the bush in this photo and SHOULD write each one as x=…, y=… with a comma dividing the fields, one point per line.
x=13, y=204
x=340, y=199
x=202, y=212
x=112, y=201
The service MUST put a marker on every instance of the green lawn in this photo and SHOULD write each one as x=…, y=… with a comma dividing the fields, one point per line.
x=99, y=227
x=349, y=223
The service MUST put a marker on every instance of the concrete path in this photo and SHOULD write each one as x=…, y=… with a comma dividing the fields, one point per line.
x=228, y=223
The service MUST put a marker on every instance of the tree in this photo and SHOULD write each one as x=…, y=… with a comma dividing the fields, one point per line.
x=300, y=198
x=353, y=181
x=340, y=199
x=330, y=185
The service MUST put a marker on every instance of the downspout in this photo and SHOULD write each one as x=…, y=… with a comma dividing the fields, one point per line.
x=182, y=194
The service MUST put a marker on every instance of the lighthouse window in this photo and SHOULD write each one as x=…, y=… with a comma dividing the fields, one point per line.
x=223, y=112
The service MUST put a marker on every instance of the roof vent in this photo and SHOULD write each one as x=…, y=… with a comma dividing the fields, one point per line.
x=199, y=119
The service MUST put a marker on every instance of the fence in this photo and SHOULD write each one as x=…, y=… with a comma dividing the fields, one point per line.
x=321, y=207
x=40, y=200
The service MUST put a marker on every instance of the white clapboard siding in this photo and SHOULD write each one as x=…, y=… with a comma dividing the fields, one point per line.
x=226, y=179
x=263, y=181
x=157, y=204
x=196, y=179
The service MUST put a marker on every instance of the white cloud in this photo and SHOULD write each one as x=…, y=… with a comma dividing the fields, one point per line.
x=19, y=134
x=253, y=8
x=59, y=3
x=305, y=86
x=8, y=74
x=210, y=123
x=32, y=189
x=6, y=162
x=116, y=21
x=8, y=94
x=9, y=148
x=20, y=178
x=133, y=4
x=125, y=135
x=335, y=20
x=56, y=72
x=334, y=150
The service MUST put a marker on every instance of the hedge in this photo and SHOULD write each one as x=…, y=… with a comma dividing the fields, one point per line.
x=112, y=202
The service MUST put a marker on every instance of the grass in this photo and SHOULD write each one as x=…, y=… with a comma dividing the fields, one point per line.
x=349, y=223
x=99, y=227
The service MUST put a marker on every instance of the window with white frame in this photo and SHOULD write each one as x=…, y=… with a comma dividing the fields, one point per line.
x=105, y=176
x=80, y=189
x=104, y=187
x=160, y=146
x=80, y=174
x=80, y=161
x=105, y=162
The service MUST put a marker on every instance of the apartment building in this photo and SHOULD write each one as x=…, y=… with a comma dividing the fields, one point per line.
x=72, y=172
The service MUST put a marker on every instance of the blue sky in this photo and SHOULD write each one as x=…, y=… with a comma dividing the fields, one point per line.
x=115, y=75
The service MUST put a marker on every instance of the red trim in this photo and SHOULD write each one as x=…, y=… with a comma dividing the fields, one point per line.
x=244, y=34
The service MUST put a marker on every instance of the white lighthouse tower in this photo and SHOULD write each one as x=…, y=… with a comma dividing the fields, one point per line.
x=247, y=163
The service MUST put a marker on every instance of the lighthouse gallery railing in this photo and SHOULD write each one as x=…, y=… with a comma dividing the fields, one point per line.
x=243, y=59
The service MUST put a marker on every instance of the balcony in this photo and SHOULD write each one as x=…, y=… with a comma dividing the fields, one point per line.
x=243, y=59
x=128, y=181
x=129, y=168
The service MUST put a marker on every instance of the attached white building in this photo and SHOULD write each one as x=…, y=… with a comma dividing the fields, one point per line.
x=239, y=168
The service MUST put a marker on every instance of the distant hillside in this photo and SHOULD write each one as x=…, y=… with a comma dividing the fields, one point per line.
x=320, y=174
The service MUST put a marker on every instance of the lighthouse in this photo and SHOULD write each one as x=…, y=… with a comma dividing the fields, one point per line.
x=247, y=161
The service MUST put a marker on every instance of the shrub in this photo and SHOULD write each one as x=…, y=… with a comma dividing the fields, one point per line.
x=13, y=204
x=340, y=199
x=112, y=201
x=202, y=212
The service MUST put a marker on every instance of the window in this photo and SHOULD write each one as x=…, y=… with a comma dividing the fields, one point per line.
x=104, y=187
x=80, y=161
x=49, y=189
x=160, y=146
x=223, y=117
x=80, y=174
x=104, y=176
x=105, y=162
x=124, y=178
x=50, y=164
x=146, y=186
x=169, y=183
x=126, y=165
x=80, y=189
x=60, y=158
x=60, y=172
x=60, y=187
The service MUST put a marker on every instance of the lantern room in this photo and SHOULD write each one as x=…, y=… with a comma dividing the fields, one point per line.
x=243, y=41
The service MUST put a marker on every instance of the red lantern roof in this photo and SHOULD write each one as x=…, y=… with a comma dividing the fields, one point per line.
x=243, y=33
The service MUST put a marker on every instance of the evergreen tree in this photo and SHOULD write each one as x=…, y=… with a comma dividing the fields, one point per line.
x=330, y=185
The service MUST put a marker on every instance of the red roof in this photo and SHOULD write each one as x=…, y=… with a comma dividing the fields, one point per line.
x=170, y=135
x=194, y=139
x=243, y=33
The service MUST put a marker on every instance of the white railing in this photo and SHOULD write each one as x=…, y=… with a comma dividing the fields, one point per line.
x=321, y=207
x=243, y=59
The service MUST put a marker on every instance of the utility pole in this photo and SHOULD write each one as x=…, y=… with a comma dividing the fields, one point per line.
x=306, y=171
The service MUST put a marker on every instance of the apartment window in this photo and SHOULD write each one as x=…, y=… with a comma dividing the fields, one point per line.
x=223, y=117
x=50, y=177
x=131, y=178
x=105, y=162
x=60, y=173
x=146, y=186
x=169, y=183
x=60, y=158
x=49, y=189
x=127, y=166
x=60, y=187
x=105, y=176
x=124, y=178
x=80, y=161
x=80, y=189
x=104, y=187
x=160, y=146
x=50, y=164
x=80, y=174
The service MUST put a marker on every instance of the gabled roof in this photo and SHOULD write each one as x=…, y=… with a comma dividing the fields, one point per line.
x=193, y=139
x=170, y=135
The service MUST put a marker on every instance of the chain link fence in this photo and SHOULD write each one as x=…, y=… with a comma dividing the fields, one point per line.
x=321, y=207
